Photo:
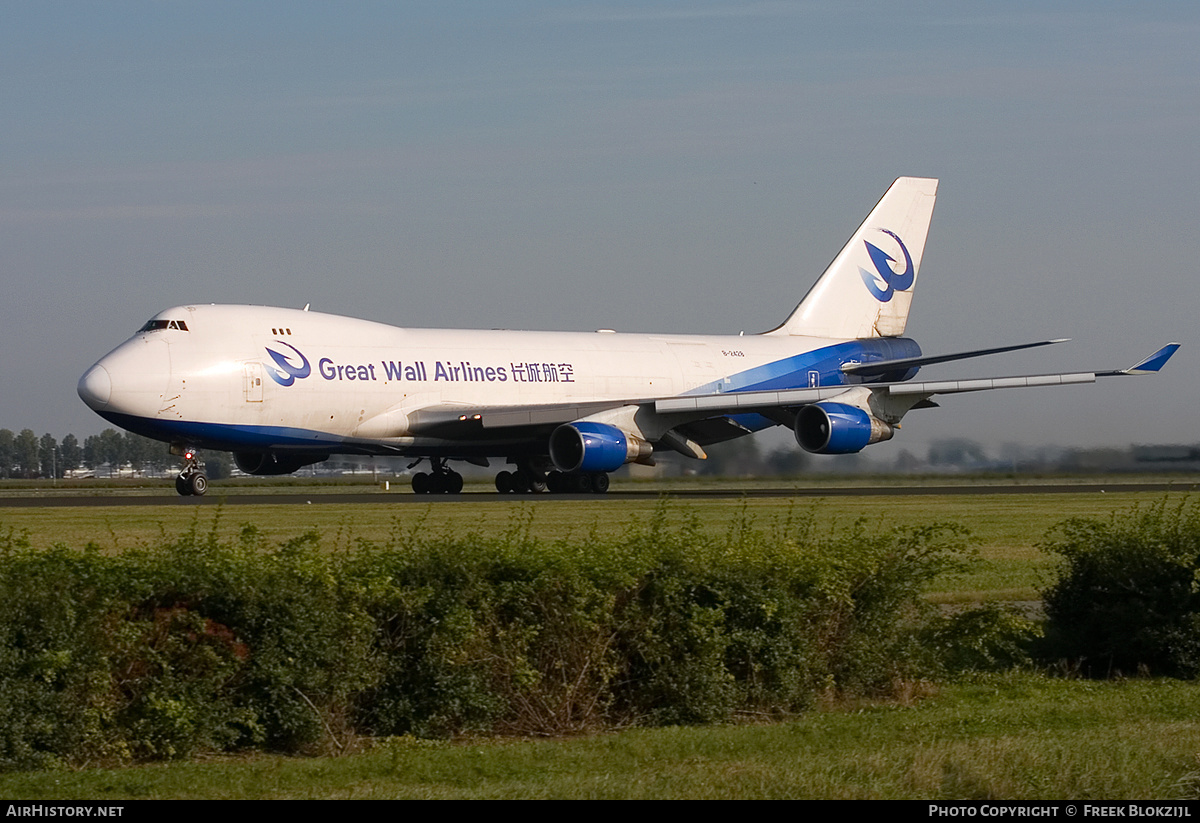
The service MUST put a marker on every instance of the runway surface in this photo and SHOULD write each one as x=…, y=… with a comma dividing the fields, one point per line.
x=168, y=497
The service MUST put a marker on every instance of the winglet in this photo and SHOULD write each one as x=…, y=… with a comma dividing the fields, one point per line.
x=1154, y=362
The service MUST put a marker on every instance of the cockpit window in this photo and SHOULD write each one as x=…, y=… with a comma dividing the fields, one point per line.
x=155, y=325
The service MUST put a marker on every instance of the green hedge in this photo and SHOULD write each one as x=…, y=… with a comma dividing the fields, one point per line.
x=1127, y=599
x=205, y=644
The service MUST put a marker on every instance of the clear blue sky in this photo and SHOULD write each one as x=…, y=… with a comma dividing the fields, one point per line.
x=642, y=166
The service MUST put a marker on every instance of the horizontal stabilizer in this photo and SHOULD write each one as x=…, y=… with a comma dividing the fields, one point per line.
x=884, y=366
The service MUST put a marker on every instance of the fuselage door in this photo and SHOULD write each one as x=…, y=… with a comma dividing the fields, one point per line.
x=252, y=382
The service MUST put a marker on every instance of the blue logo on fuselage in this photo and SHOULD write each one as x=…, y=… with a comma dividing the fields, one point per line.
x=285, y=374
x=892, y=281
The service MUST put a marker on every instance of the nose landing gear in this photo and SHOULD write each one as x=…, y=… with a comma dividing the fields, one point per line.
x=191, y=480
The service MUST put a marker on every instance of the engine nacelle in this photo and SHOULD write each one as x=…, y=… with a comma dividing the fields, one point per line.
x=594, y=447
x=269, y=463
x=836, y=428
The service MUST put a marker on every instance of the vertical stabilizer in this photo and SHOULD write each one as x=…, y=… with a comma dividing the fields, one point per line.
x=867, y=289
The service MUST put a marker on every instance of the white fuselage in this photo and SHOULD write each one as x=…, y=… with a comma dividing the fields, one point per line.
x=262, y=381
x=261, y=377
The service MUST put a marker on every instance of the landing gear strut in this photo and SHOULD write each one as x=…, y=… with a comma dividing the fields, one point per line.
x=441, y=481
x=191, y=480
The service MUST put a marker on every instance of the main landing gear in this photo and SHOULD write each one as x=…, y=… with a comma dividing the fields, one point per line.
x=191, y=481
x=527, y=480
x=441, y=480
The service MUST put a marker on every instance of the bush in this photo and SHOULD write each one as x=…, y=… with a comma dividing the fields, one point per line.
x=666, y=624
x=1126, y=600
x=161, y=652
x=485, y=634
x=205, y=644
x=55, y=704
x=291, y=637
x=981, y=639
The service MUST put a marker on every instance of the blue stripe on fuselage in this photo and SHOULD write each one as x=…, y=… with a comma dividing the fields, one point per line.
x=793, y=372
x=225, y=436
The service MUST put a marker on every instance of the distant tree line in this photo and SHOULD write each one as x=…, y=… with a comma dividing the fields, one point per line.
x=28, y=456
x=25, y=455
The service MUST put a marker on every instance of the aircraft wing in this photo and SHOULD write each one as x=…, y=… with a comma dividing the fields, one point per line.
x=733, y=402
x=471, y=422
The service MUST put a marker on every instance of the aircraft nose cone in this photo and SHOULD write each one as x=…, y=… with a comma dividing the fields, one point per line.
x=95, y=387
x=129, y=380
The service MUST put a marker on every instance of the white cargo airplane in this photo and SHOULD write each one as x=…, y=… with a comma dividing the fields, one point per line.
x=284, y=388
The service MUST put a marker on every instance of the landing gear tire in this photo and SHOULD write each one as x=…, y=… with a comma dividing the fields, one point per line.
x=191, y=481
x=535, y=481
x=581, y=483
x=520, y=482
x=440, y=482
x=525, y=480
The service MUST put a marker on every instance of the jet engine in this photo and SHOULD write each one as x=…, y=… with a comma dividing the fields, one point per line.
x=586, y=446
x=274, y=463
x=837, y=428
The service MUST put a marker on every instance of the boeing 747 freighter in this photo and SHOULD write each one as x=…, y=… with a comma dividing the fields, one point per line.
x=284, y=388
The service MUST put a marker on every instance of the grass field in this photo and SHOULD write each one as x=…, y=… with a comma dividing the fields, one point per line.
x=999, y=737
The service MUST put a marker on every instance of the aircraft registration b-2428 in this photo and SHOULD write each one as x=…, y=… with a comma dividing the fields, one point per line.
x=285, y=388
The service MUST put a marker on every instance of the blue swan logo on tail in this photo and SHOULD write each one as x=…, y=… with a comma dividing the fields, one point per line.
x=892, y=281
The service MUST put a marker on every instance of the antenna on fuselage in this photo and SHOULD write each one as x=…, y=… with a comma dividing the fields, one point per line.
x=306, y=305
